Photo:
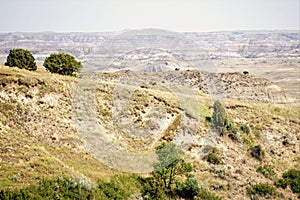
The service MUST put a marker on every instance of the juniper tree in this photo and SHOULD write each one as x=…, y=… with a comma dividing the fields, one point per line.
x=219, y=118
x=62, y=63
x=22, y=59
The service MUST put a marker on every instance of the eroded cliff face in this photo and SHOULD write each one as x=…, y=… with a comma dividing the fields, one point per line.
x=242, y=86
x=247, y=44
x=269, y=54
x=224, y=85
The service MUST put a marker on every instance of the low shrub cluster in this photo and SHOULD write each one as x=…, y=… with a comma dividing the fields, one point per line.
x=233, y=132
x=213, y=158
x=292, y=178
x=118, y=188
x=171, y=179
x=267, y=171
x=245, y=128
x=204, y=194
x=261, y=189
x=60, y=188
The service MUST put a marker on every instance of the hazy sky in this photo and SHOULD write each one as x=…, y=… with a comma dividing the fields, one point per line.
x=177, y=15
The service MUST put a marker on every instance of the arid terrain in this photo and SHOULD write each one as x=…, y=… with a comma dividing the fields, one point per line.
x=128, y=99
x=268, y=54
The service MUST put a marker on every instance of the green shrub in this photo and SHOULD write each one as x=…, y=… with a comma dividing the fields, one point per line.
x=165, y=181
x=60, y=188
x=245, y=129
x=213, y=158
x=261, y=189
x=292, y=177
x=188, y=189
x=112, y=190
x=267, y=171
x=282, y=183
x=233, y=133
x=204, y=194
x=153, y=188
x=62, y=63
x=22, y=59
x=119, y=187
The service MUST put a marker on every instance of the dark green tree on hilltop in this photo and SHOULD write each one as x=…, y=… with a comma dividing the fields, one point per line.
x=219, y=118
x=22, y=59
x=62, y=63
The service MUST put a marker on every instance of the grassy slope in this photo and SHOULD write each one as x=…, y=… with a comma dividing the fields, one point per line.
x=38, y=137
x=270, y=125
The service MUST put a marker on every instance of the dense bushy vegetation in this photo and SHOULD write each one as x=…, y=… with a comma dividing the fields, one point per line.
x=189, y=188
x=281, y=183
x=232, y=132
x=61, y=188
x=213, y=158
x=164, y=182
x=261, y=189
x=119, y=187
x=22, y=59
x=62, y=63
x=292, y=178
x=171, y=179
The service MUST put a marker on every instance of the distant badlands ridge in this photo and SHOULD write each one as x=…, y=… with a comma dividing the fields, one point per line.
x=268, y=54
x=92, y=47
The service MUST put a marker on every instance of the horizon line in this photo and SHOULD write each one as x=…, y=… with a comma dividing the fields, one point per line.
x=125, y=30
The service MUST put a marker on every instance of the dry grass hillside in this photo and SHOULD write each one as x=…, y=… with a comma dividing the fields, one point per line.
x=38, y=136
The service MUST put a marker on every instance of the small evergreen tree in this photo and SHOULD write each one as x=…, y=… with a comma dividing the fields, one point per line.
x=170, y=165
x=62, y=63
x=22, y=59
x=218, y=117
x=163, y=183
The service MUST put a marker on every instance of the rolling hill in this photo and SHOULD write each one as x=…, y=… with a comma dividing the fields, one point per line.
x=106, y=123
